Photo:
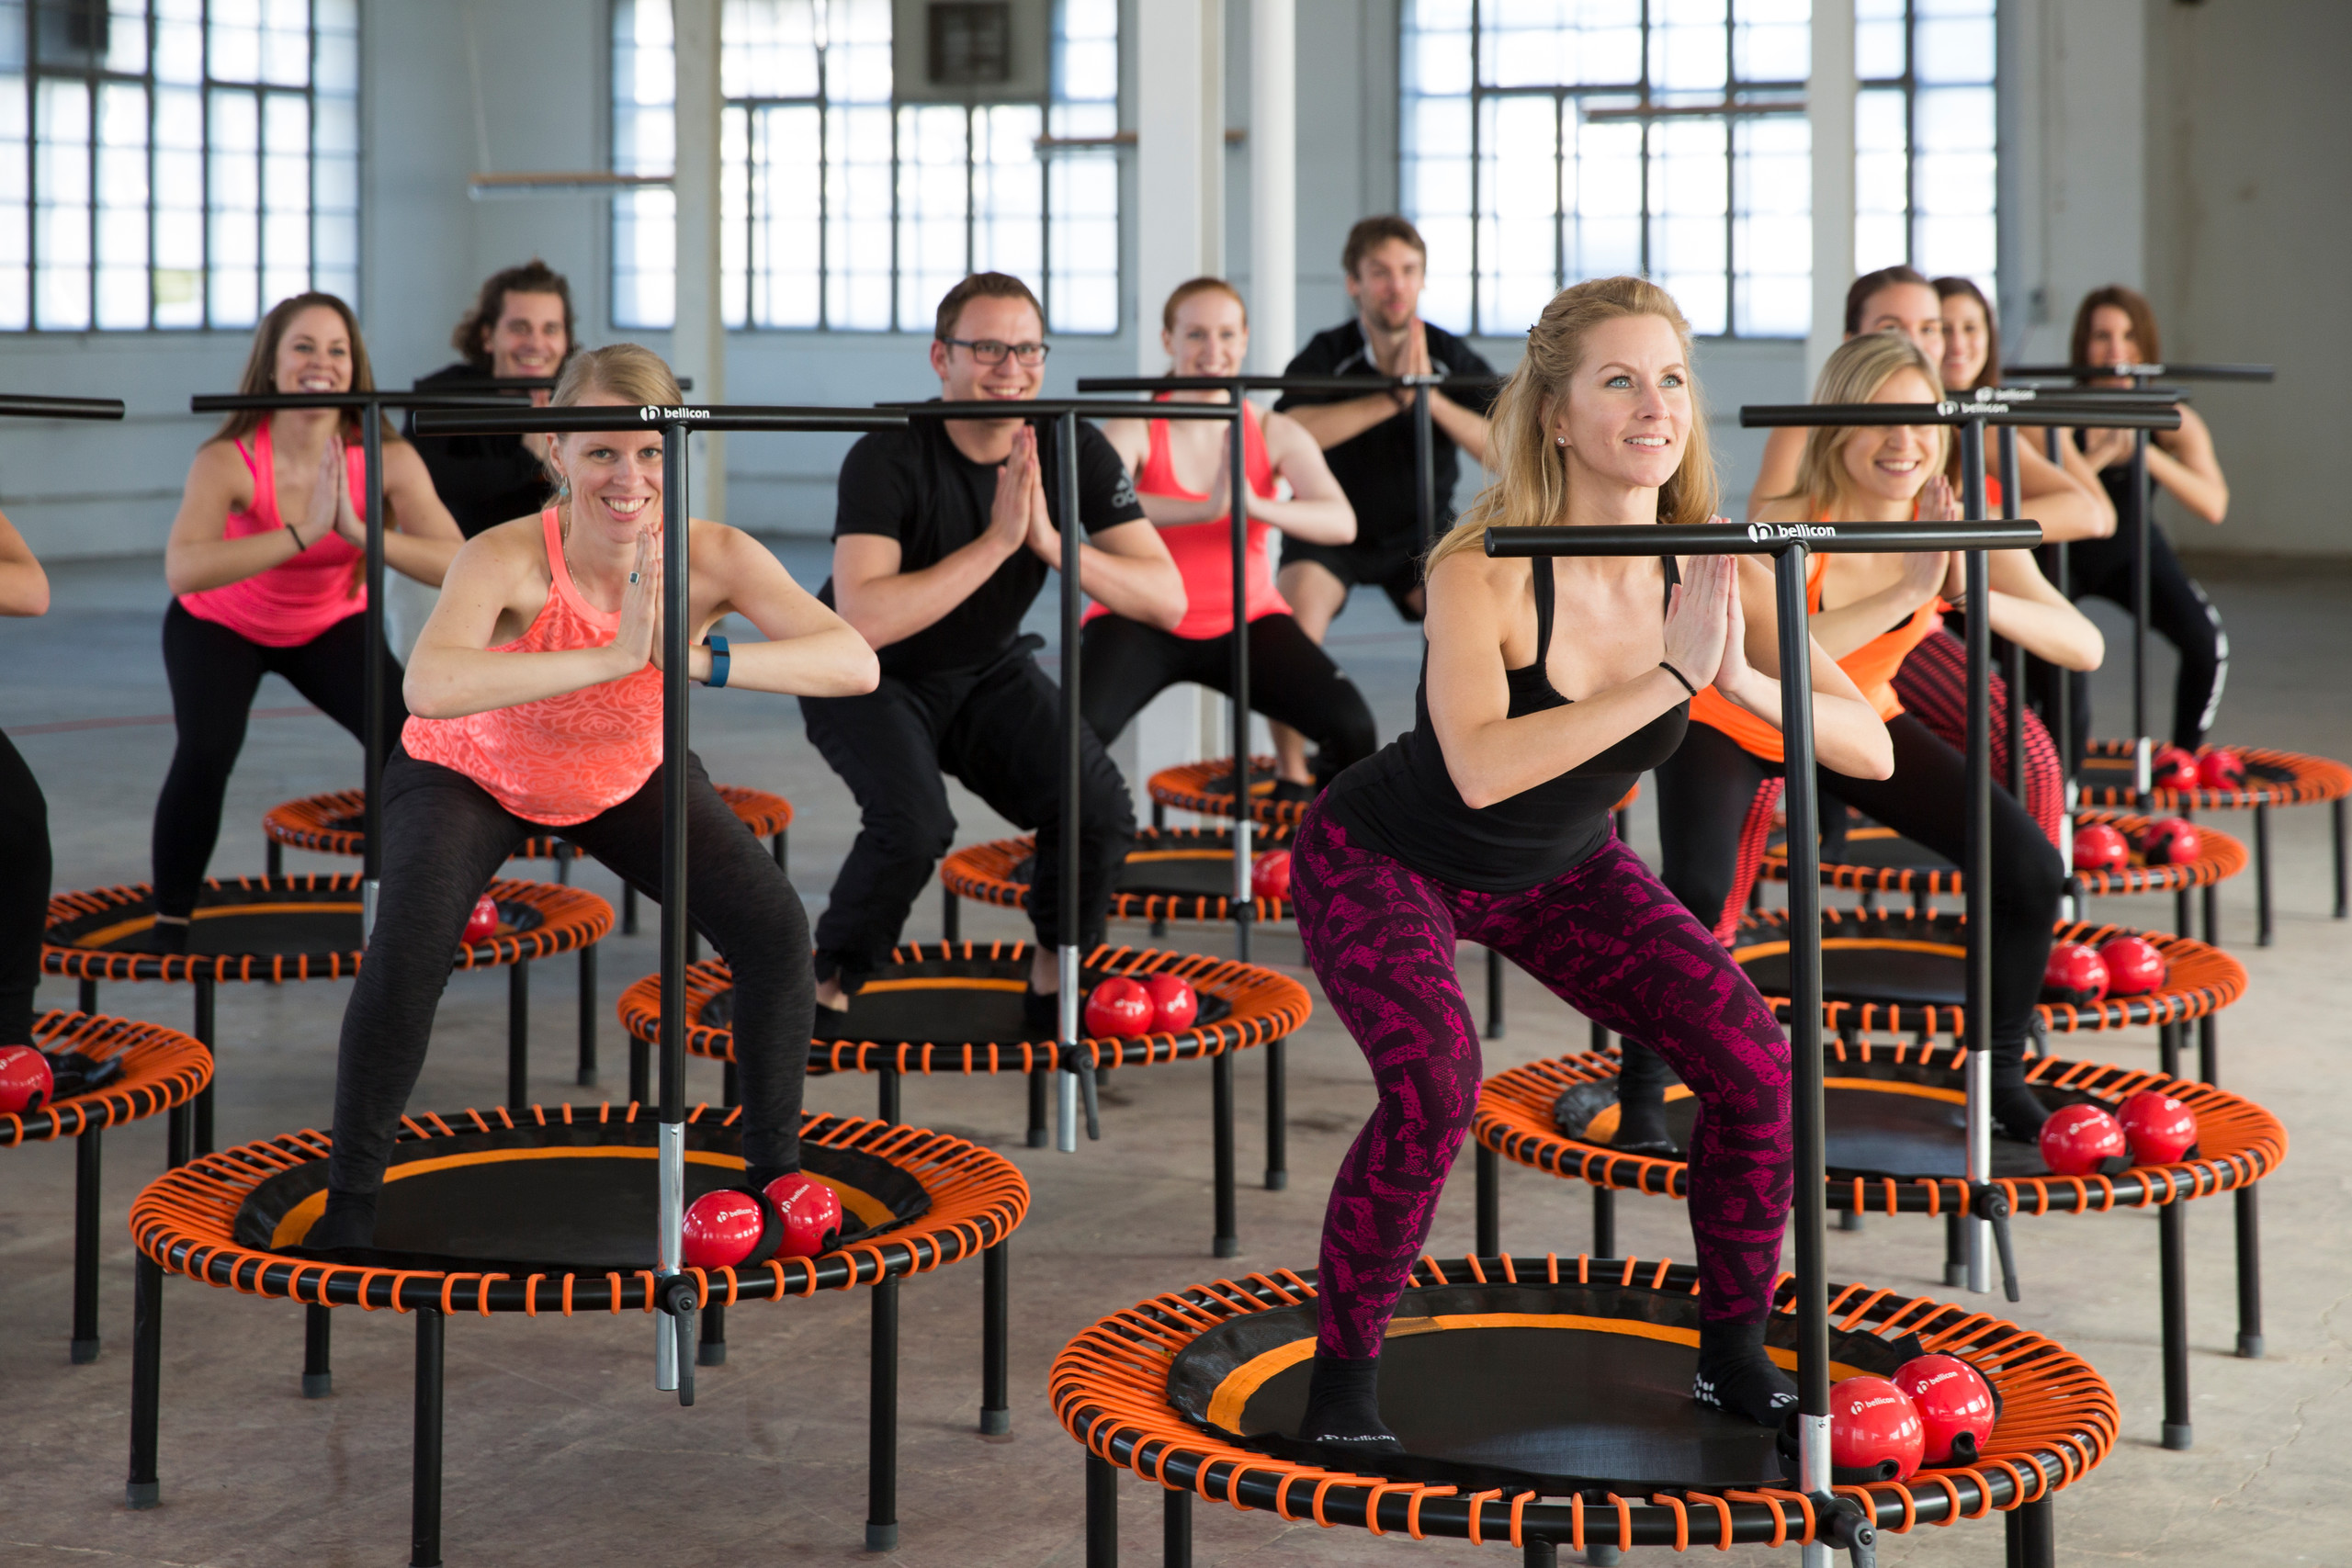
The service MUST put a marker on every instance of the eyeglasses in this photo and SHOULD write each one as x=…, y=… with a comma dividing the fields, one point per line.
x=989, y=351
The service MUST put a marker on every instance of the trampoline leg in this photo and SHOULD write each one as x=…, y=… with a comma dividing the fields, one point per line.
x=1175, y=1529
x=88, y=999
x=563, y=862
x=2210, y=896
x=146, y=1381
x=731, y=1087
x=1540, y=1553
x=2249, y=1217
x=628, y=908
x=425, y=1501
x=1955, y=1250
x=2209, y=1049
x=1490, y=1202
x=2262, y=876
x=1227, y=1243
x=640, y=1071
x=2183, y=915
x=1604, y=1222
x=712, y=1351
x=1159, y=815
x=2168, y=1048
x=1038, y=1084
x=781, y=844
x=1102, y=1512
x=518, y=1036
x=204, y=1098
x=178, y=1123
x=2172, y=1240
x=275, y=859
x=1277, y=1117
x=996, y=1335
x=2343, y=873
x=86, y=1247
x=886, y=1095
x=1599, y=1039
x=1849, y=1219
x=317, y=1349
x=2033, y=1535
x=693, y=945
x=1494, y=995
x=587, y=1075
x=951, y=923
x=882, y=1440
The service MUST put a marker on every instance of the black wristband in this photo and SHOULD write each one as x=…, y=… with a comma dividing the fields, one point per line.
x=1679, y=676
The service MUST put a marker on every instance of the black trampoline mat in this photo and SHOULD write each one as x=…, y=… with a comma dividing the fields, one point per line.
x=972, y=1009
x=1884, y=849
x=1174, y=873
x=1911, y=970
x=261, y=922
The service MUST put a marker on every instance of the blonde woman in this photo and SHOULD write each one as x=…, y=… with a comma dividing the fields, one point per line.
x=1548, y=685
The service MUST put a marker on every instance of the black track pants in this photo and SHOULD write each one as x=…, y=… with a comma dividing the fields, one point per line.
x=24, y=892
x=2177, y=611
x=445, y=837
x=1291, y=681
x=214, y=673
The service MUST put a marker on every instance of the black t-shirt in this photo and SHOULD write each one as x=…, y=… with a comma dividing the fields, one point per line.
x=1375, y=467
x=913, y=486
x=482, y=480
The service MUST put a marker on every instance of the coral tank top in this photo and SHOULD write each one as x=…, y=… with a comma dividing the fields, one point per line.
x=559, y=761
x=1203, y=551
x=293, y=602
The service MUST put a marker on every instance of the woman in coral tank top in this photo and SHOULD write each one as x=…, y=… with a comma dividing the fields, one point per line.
x=537, y=697
x=267, y=557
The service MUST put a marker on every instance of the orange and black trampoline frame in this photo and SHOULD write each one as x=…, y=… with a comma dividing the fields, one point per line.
x=151, y=1071
x=283, y=929
x=1243, y=1006
x=918, y=1202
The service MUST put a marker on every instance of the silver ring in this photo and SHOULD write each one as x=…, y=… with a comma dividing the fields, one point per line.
x=632, y=577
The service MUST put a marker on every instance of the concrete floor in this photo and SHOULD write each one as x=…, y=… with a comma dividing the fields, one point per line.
x=559, y=1452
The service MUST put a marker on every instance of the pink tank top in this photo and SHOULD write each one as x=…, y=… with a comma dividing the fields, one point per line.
x=1203, y=551
x=559, y=761
x=296, y=600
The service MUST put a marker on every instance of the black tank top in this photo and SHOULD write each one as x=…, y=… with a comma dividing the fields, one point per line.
x=1401, y=801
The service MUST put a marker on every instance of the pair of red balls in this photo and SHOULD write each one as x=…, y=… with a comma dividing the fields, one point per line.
x=1935, y=1410
x=1160, y=1004
x=2177, y=768
x=722, y=1228
x=25, y=1082
x=2170, y=840
x=2121, y=966
x=2152, y=1128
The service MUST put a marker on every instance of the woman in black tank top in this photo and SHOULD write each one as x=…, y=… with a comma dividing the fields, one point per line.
x=1545, y=690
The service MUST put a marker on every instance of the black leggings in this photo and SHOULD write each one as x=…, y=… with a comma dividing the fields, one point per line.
x=1125, y=664
x=445, y=837
x=2177, y=611
x=214, y=673
x=1706, y=788
x=24, y=892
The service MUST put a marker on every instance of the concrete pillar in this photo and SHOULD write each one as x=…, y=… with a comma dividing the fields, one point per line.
x=1274, y=184
x=1829, y=109
x=698, y=343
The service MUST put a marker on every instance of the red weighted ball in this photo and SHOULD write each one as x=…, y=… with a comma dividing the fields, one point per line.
x=483, y=924
x=1270, y=875
x=2173, y=768
x=2221, y=769
x=2170, y=841
x=2075, y=975
x=2160, y=1128
x=2078, y=1139
x=1955, y=1406
x=811, y=1212
x=1118, y=1007
x=25, y=1082
x=721, y=1229
x=1175, y=1004
x=2135, y=968
x=2098, y=847
x=1873, y=1425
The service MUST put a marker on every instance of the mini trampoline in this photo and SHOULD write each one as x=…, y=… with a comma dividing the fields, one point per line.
x=1192, y=1389
x=1207, y=788
x=550, y=1212
x=954, y=1009
x=2272, y=778
x=109, y=1071
x=1897, y=1144
x=280, y=929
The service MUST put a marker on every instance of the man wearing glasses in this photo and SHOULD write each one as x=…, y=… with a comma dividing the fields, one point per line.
x=943, y=536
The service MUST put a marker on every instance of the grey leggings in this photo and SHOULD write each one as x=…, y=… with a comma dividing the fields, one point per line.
x=445, y=837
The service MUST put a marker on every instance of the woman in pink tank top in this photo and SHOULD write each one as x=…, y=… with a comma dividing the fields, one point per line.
x=266, y=558
x=537, y=704
x=1182, y=471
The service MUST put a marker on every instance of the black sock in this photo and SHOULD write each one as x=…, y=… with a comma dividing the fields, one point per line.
x=1738, y=1378
x=1642, y=1078
x=1344, y=1405
x=2017, y=1113
x=758, y=1177
x=349, y=1220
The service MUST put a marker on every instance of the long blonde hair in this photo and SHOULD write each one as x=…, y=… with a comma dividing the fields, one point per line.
x=1855, y=374
x=1530, y=487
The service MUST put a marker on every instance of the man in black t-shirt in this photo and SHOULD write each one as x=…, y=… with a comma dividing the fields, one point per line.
x=521, y=326
x=945, y=533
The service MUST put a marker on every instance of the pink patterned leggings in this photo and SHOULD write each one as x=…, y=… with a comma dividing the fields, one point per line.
x=1609, y=939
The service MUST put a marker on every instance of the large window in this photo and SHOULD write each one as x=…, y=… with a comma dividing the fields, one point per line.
x=1550, y=140
x=839, y=210
x=175, y=162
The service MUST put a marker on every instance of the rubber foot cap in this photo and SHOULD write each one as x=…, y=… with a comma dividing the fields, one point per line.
x=2179, y=1437
x=1227, y=1246
x=1277, y=1180
x=588, y=1079
x=881, y=1538
x=2249, y=1347
x=317, y=1385
x=1955, y=1275
x=1601, y=1556
x=995, y=1423
x=1850, y=1220
x=1039, y=1138
x=85, y=1351
x=711, y=1355
x=143, y=1494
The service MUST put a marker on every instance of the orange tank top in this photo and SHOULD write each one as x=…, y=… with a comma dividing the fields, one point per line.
x=1203, y=551
x=296, y=599
x=559, y=761
x=1872, y=666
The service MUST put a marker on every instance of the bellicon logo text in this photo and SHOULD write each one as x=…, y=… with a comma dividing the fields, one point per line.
x=1769, y=532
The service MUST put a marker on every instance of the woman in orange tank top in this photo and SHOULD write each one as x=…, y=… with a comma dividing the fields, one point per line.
x=537, y=698
x=1717, y=796
x=1182, y=475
